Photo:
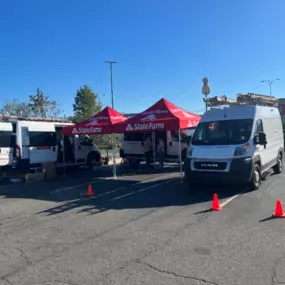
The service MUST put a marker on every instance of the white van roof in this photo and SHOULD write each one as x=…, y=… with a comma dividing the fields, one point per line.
x=6, y=127
x=240, y=112
x=42, y=126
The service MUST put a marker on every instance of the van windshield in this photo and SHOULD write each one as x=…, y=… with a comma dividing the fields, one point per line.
x=6, y=139
x=223, y=132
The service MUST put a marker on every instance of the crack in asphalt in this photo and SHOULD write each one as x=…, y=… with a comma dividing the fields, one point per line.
x=91, y=237
x=25, y=257
x=152, y=251
x=174, y=274
x=26, y=263
x=7, y=280
x=274, y=271
x=58, y=281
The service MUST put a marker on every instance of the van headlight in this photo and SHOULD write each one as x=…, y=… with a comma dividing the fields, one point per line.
x=242, y=150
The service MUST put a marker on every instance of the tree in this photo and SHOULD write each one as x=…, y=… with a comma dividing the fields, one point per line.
x=42, y=106
x=15, y=108
x=86, y=104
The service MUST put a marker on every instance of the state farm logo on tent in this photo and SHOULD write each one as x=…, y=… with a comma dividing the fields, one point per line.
x=149, y=117
x=190, y=124
x=145, y=127
x=129, y=128
x=90, y=130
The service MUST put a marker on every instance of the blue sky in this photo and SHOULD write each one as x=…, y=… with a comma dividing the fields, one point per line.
x=163, y=49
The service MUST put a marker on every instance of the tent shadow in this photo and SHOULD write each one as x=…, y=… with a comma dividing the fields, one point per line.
x=127, y=192
x=134, y=196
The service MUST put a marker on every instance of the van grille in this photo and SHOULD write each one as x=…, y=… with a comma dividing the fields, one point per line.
x=210, y=165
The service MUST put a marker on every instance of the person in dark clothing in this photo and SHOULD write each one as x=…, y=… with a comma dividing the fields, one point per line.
x=147, y=150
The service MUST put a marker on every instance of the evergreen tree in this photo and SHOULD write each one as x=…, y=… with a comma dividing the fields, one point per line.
x=86, y=104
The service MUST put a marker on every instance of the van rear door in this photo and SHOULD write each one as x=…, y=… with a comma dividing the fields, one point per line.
x=43, y=143
x=133, y=144
x=6, y=144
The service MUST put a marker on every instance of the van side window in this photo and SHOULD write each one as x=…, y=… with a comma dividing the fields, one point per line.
x=43, y=139
x=259, y=127
x=85, y=141
x=6, y=139
x=134, y=136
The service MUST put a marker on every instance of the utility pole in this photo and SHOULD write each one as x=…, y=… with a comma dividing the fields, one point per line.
x=270, y=84
x=111, y=62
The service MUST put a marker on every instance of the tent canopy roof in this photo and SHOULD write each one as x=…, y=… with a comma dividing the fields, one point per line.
x=161, y=116
x=101, y=123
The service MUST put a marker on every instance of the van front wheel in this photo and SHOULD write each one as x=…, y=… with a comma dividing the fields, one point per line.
x=255, y=178
x=279, y=165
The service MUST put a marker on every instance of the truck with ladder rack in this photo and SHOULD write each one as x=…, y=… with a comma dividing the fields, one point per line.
x=238, y=141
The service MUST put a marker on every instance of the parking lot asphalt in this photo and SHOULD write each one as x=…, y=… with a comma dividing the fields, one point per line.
x=139, y=229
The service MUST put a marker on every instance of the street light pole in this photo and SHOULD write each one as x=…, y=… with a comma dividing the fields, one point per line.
x=270, y=84
x=111, y=62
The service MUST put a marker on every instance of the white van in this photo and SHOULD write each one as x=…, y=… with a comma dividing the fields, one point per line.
x=236, y=145
x=7, y=143
x=42, y=141
x=131, y=146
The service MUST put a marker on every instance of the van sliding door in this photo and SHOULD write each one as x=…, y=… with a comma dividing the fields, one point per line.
x=43, y=147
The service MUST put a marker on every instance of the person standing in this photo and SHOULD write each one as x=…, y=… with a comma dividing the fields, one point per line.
x=147, y=150
x=160, y=152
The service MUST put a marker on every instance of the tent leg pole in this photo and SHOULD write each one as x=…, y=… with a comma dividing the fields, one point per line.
x=153, y=152
x=63, y=157
x=114, y=157
x=180, y=158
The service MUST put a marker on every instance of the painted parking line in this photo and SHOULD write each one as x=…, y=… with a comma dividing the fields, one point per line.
x=131, y=185
x=227, y=201
x=79, y=185
x=144, y=189
x=102, y=179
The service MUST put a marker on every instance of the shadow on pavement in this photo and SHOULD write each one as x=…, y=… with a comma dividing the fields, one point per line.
x=157, y=194
x=142, y=191
x=268, y=219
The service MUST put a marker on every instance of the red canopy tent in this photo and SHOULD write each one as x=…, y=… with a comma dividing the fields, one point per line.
x=101, y=123
x=162, y=116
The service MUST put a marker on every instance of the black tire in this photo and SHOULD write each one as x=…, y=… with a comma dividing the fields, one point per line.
x=255, y=178
x=278, y=167
x=187, y=180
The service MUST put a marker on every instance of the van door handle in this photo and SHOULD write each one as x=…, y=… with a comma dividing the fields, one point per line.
x=170, y=143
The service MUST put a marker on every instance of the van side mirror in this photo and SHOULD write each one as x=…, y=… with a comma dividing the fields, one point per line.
x=260, y=139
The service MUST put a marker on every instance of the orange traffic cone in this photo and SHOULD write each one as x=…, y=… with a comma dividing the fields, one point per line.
x=90, y=192
x=215, y=205
x=279, y=210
